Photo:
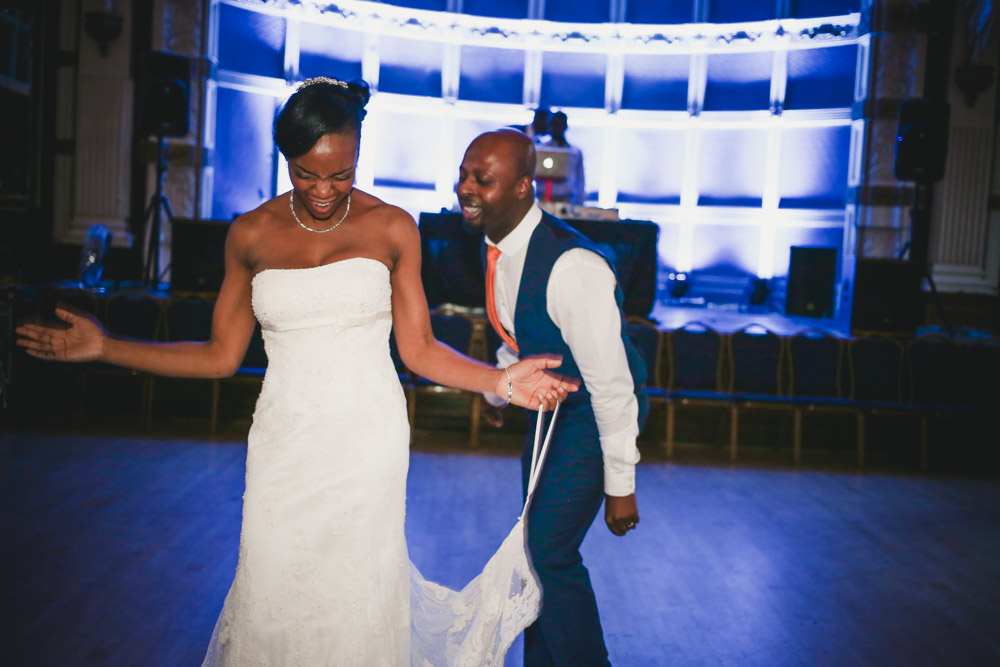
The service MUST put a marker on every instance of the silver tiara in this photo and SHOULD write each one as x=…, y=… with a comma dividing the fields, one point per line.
x=321, y=79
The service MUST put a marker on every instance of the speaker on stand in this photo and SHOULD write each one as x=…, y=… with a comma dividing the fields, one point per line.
x=921, y=154
x=166, y=100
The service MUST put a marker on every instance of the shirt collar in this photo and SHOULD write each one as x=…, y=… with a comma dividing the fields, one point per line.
x=518, y=237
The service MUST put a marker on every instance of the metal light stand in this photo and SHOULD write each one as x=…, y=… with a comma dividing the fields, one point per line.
x=157, y=204
x=918, y=247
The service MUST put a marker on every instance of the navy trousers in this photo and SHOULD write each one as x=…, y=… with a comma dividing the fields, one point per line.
x=566, y=501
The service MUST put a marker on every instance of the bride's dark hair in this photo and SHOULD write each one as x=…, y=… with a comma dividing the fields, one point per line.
x=320, y=106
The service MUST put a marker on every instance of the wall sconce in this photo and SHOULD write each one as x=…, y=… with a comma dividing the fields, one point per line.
x=103, y=25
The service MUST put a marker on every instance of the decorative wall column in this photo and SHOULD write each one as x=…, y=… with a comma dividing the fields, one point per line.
x=93, y=127
x=881, y=204
x=964, y=242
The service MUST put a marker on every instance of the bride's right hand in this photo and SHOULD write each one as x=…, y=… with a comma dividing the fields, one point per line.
x=82, y=340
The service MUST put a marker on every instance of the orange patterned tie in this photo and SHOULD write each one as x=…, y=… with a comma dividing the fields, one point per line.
x=492, y=254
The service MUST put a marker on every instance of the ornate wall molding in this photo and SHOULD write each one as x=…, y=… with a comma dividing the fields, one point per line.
x=526, y=34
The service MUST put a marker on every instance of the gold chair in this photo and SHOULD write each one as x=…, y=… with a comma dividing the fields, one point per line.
x=648, y=339
x=466, y=334
x=695, y=363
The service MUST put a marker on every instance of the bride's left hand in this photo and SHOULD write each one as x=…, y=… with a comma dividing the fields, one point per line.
x=534, y=386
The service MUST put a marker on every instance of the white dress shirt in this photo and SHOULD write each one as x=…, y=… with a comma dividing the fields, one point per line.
x=580, y=300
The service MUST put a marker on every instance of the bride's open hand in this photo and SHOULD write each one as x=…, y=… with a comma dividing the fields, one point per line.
x=534, y=386
x=81, y=340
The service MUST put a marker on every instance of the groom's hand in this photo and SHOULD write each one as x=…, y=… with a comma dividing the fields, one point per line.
x=620, y=513
x=533, y=385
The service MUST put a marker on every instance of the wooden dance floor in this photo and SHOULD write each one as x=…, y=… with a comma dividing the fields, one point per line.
x=119, y=550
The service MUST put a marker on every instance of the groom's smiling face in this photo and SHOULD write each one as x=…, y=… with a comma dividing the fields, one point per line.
x=492, y=188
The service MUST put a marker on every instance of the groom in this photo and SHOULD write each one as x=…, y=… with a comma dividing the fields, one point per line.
x=551, y=290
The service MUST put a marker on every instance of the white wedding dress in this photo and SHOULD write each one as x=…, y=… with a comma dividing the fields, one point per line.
x=323, y=576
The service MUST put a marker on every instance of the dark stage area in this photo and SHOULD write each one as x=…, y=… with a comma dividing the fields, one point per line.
x=118, y=549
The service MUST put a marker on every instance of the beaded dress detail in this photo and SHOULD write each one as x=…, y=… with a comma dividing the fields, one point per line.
x=323, y=576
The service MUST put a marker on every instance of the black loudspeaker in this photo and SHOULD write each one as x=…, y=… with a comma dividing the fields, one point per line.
x=812, y=281
x=921, y=140
x=166, y=94
x=887, y=296
x=197, y=255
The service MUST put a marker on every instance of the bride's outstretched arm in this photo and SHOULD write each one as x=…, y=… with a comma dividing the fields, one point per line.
x=531, y=384
x=79, y=337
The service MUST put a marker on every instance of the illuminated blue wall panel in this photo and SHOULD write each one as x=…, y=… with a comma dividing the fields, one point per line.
x=590, y=141
x=668, y=246
x=573, y=80
x=730, y=169
x=650, y=166
x=656, y=82
x=326, y=51
x=638, y=11
x=821, y=78
x=244, y=153
x=734, y=11
x=726, y=250
x=251, y=42
x=410, y=67
x=491, y=75
x=508, y=9
x=738, y=81
x=814, y=8
x=578, y=11
x=434, y=5
x=410, y=140
x=813, y=167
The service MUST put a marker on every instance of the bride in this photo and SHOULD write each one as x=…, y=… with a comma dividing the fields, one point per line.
x=323, y=576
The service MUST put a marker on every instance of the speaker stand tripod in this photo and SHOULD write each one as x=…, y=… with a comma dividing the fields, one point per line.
x=917, y=246
x=158, y=205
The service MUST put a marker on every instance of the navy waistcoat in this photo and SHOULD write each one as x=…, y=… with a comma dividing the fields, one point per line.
x=535, y=330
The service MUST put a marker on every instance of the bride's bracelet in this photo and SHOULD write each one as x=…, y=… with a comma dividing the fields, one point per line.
x=510, y=385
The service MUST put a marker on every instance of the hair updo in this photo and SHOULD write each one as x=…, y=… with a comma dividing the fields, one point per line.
x=320, y=106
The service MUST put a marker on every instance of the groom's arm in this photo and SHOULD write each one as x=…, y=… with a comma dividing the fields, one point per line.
x=581, y=302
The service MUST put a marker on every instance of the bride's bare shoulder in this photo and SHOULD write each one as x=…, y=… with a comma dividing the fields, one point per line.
x=253, y=229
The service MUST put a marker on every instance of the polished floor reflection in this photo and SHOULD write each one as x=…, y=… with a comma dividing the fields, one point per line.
x=119, y=549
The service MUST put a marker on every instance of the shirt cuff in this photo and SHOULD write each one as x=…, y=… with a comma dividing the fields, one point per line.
x=620, y=457
x=495, y=400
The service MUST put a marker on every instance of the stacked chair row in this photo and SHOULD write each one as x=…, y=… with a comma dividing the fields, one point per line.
x=143, y=315
x=925, y=378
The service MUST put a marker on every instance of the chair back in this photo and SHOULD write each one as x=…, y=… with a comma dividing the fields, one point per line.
x=134, y=314
x=694, y=358
x=453, y=328
x=74, y=297
x=815, y=359
x=935, y=369
x=981, y=374
x=648, y=340
x=756, y=355
x=876, y=369
x=189, y=318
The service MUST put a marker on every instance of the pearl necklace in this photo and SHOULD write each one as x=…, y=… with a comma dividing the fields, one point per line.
x=291, y=206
